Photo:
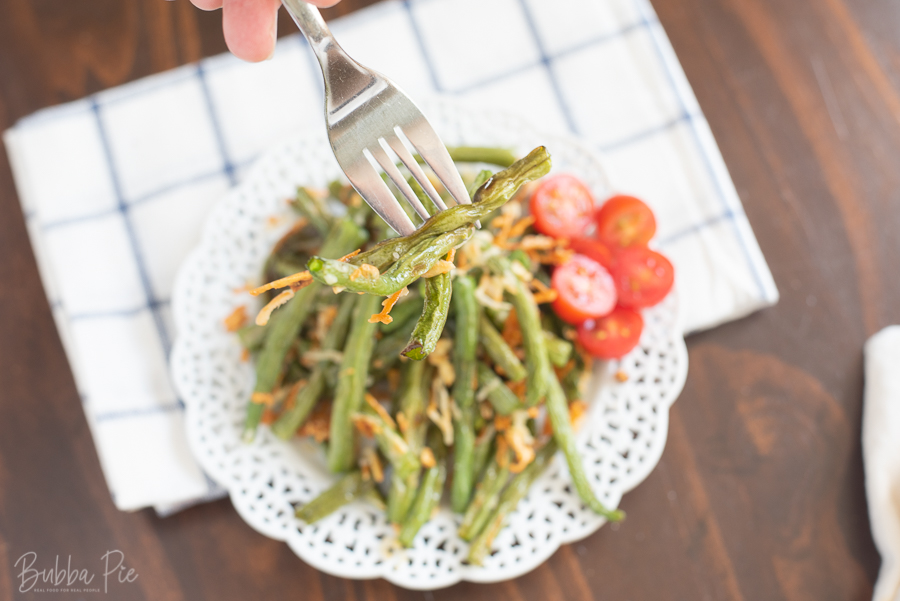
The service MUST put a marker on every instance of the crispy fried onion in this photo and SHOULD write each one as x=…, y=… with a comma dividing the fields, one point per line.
x=440, y=358
x=440, y=412
x=489, y=293
x=295, y=280
x=520, y=440
x=371, y=464
x=372, y=402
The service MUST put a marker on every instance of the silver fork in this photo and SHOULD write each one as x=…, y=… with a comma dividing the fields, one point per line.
x=368, y=118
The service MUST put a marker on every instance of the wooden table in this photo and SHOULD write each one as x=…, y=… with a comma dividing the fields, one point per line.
x=759, y=494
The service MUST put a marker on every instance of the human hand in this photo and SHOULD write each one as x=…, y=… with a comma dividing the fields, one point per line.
x=249, y=25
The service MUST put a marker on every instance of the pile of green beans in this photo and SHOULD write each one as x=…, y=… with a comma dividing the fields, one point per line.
x=324, y=352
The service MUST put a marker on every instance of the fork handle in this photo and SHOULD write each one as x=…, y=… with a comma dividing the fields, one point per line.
x=309, y=20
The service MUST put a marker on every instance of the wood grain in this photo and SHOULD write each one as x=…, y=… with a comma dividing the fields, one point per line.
x=759, y=494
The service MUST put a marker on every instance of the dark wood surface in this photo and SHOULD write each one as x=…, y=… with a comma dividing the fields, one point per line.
x=759, y=494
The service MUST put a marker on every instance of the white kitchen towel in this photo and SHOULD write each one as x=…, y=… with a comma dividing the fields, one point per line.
x=115, y=187
x=881, y=455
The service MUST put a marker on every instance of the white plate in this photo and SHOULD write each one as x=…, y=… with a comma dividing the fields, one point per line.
x=621, y=441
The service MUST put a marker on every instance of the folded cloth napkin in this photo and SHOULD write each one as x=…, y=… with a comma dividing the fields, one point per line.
x=881, y=455
x=115, y=187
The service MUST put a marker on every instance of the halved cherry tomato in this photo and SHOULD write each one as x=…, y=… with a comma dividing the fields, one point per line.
x=643, y=277
x=613, y=336
x=584, y=289
x=562, y=207
x=625, y=221
x=595, y=250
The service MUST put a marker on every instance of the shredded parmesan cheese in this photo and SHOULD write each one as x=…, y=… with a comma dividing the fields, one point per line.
x=426, y=458
x=291, y=280
x=365, y=271
x=388, y=304
x=236, y=319
x=546, y=296
x=262, y=318
x=263, y=398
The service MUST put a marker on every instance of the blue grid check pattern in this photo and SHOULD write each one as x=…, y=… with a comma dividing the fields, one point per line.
x=115, y=187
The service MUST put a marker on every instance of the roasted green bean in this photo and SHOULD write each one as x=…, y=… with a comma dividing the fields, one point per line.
x=494, y=194
x=348, y=488
x=427, y=498
x=558, y=350
x=464, y=350
x=438, y=291
x=509, y=500
x=486, y=499
x=403, y=272
x=500, y=353
x=491, y=386
x=287, y=321
x=558, y=410
x=536, y=359
x=484, y=444
x=413, y=399
x=307, y=397
x=351, y=384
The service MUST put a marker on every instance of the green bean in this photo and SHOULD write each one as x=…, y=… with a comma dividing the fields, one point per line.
x=558, y=410
x=500, y=352
x=311, y=207
x=480, y=154
x=307, y=397
x=348, y=488
x=351, y=385
x=402, y=494
x=427, y=498
x=438, y=291
x=464, y=349
x=536, y=359
x=403, y=313
x=558, y=350
x=481, y=179
x=252, y=336
x=486, y=499
x=494, y=194
x=392, y=445
x=373, y=496
x=403, y=272
x=509, y=500
x=413, y=398
x=483, y=446
x=287, y=321
x=414, y=395
x=491, y=386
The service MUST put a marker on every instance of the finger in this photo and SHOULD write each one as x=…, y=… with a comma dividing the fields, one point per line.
x=207, y=4
x=250, y=28
x=323, y=3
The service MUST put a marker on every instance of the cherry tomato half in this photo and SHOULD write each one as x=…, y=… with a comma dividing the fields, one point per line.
x=562, y=207
x=595, y=250
x=613, y=336
x=584, y=290
x=643, y=277
x=625, y=221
